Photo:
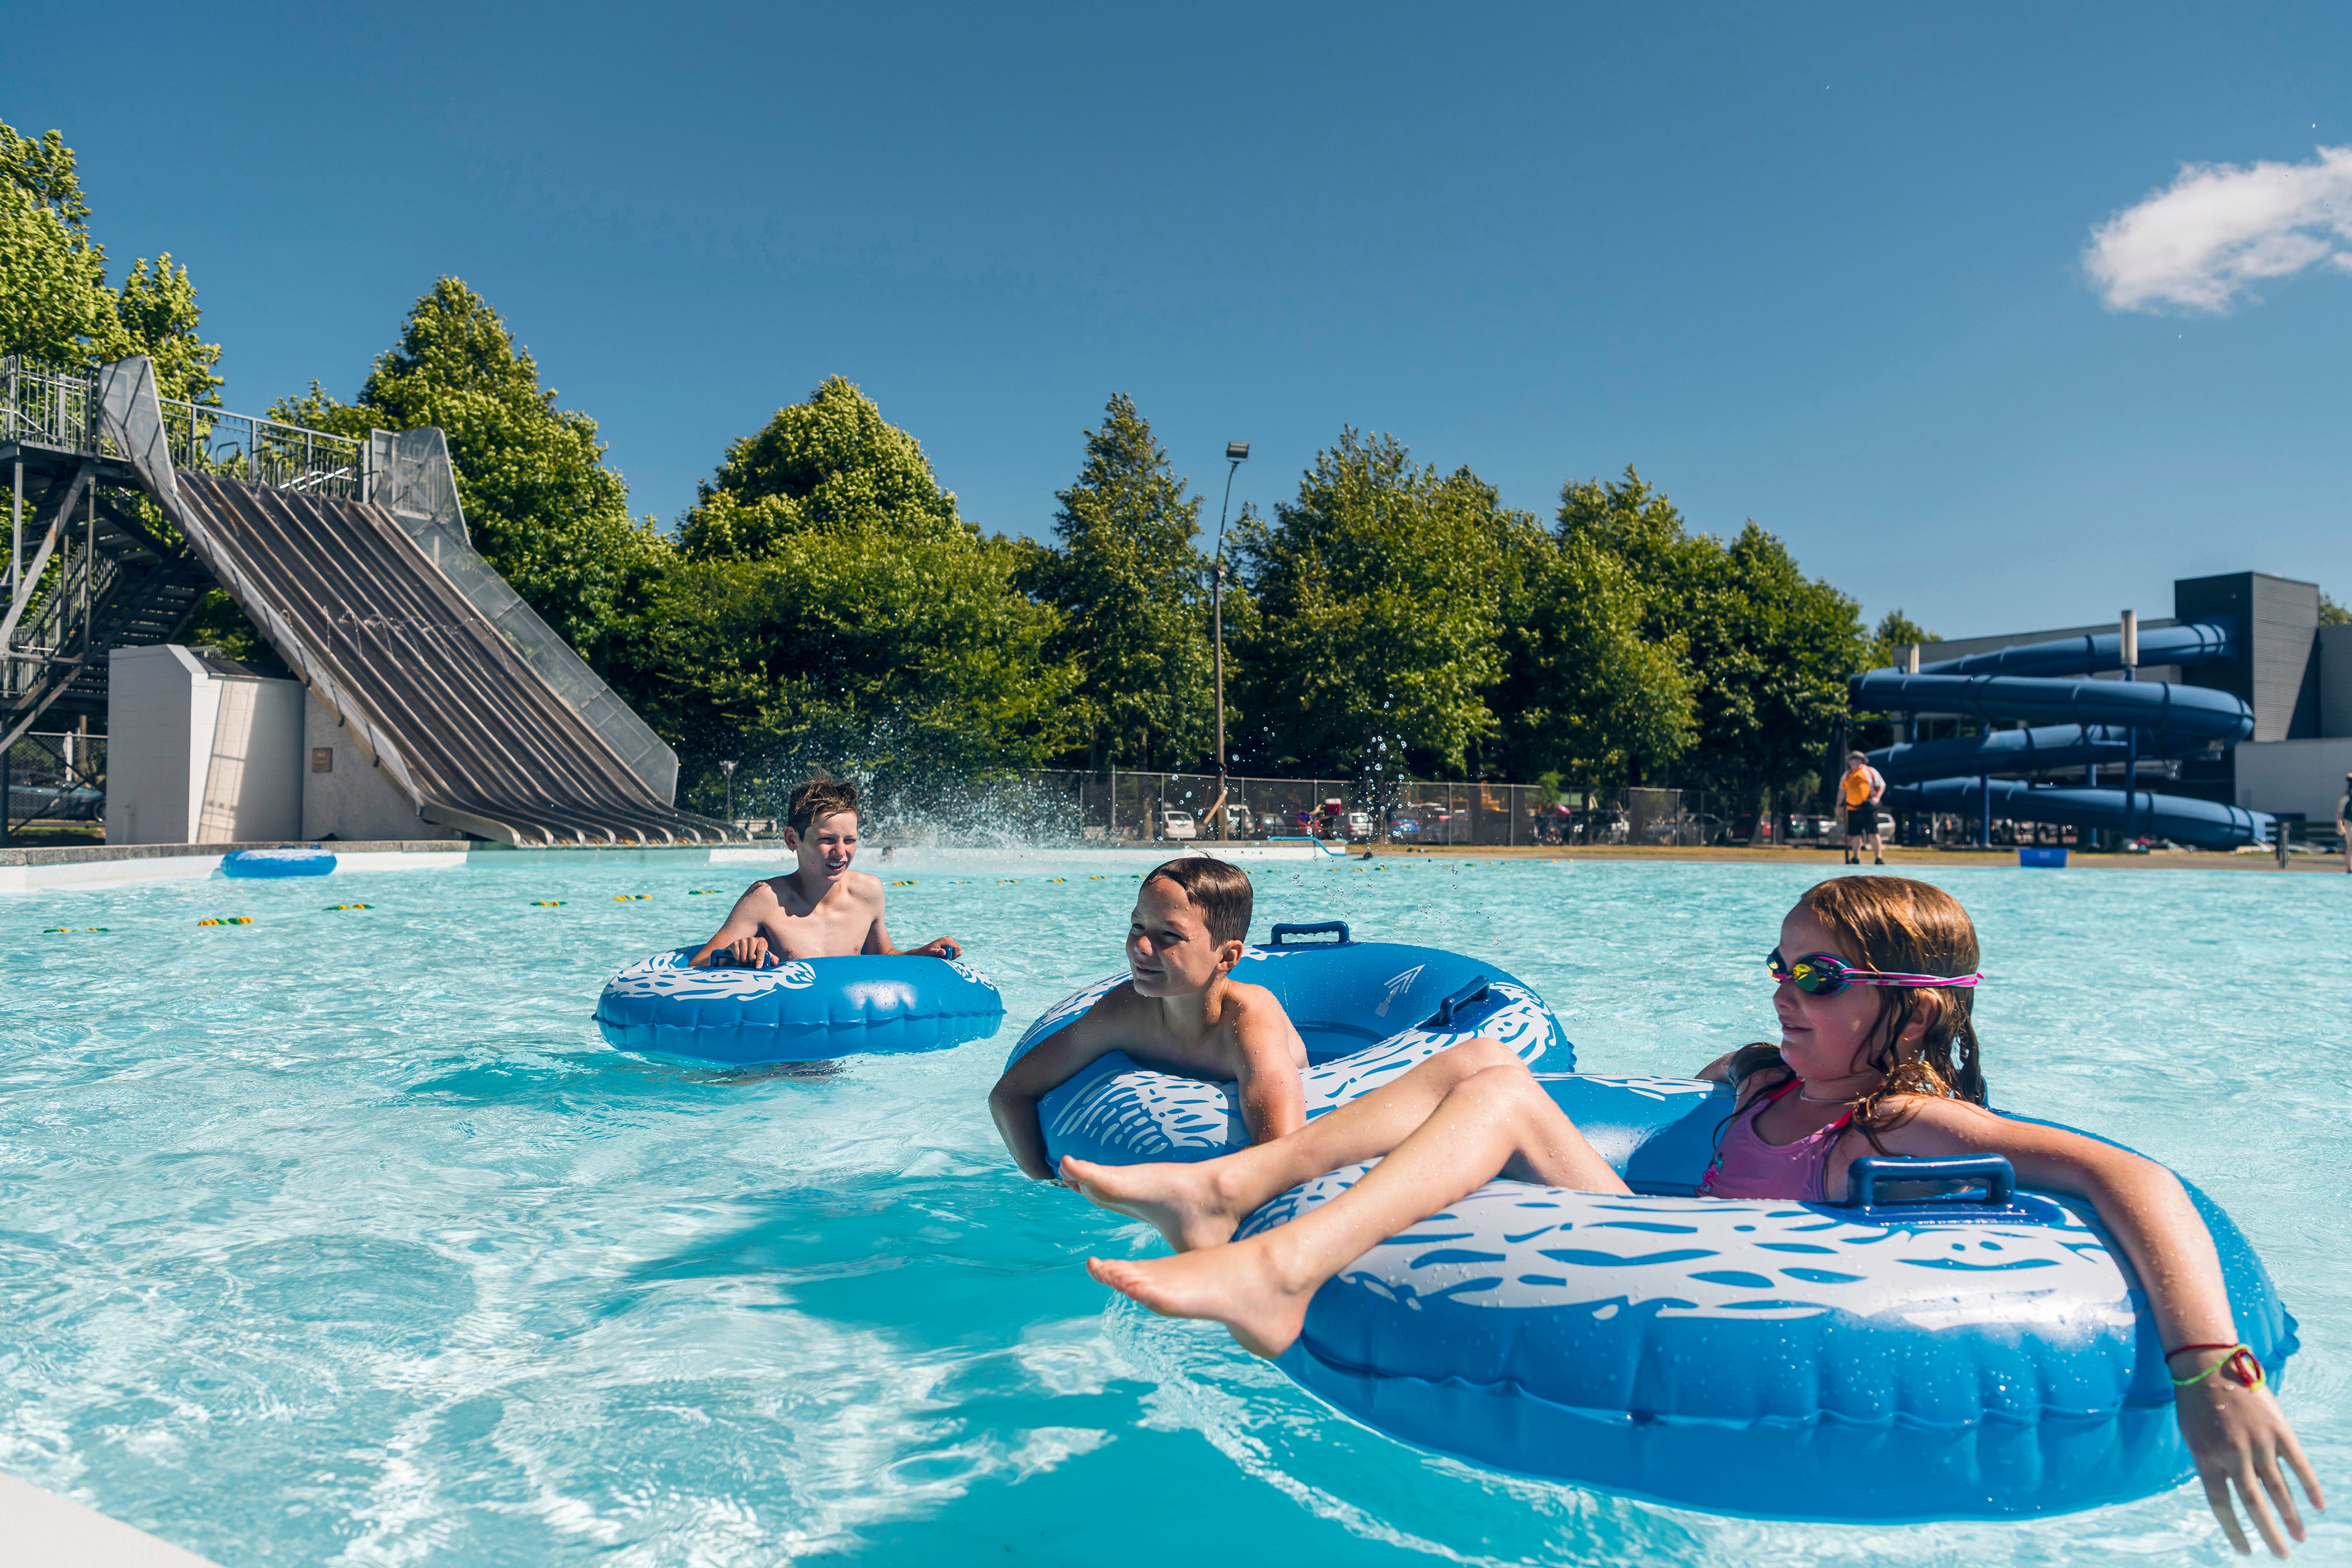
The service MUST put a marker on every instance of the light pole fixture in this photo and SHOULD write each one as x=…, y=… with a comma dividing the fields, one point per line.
x=729, y=769
x=1236, y=454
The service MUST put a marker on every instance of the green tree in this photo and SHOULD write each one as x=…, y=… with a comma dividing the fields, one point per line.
x=2332, y=613
x=1589, y=694
x=54, y=304
x=540, y=503
x=1769, y=649
x=1891, y=644
x=830, y=605
x=1378, y=611
x=831, y=463
x=1127, y=581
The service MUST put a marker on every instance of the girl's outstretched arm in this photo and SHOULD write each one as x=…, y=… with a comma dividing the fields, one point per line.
x=2237, y=1436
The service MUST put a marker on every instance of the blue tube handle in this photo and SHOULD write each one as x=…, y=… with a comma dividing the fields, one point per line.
x=1862, y=1178
x=1479, y=986
x=1314, y=928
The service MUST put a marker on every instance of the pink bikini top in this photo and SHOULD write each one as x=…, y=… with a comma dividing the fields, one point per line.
x=1747, y=1167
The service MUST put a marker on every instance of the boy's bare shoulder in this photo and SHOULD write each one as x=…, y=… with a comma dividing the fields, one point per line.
x=1254, y=999
x=864, y=884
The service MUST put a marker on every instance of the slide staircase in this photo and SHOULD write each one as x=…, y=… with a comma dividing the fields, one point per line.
x=2070, y=721
x=351, y=559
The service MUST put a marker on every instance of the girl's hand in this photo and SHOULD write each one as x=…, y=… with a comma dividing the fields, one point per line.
x=2237, y=1436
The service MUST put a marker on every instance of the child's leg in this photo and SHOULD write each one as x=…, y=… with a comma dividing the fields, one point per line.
x=1498, y=1122
x=1199, y=1205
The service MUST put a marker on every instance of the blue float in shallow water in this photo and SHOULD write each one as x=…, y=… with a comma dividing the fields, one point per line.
x=310, y=861
x=810, y=1009
x=1987, y=1356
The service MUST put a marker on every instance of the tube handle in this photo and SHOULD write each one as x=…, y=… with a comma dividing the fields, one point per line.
x=1862, y=1178
x=1460, y=1001
x=1312, y=928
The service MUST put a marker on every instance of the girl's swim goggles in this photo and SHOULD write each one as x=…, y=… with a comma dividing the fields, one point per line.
x=1826, y=973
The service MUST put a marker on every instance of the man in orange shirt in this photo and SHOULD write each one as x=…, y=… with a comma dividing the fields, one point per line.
x=1863, y=786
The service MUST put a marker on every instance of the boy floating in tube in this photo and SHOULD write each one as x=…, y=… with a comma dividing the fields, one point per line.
x=1179, y=1010
x=821, y=909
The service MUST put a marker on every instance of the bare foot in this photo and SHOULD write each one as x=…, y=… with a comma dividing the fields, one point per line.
x=1180, y=1201
x=1238, y=1286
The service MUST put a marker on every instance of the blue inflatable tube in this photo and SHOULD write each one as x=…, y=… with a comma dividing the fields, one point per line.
x=1985, y=1355
x=1407, y=1002
x=313, y=860
x=812, y=1009
x=1886, y=1362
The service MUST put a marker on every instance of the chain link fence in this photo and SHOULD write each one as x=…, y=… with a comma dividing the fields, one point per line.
x=55, y=777
x=1147, y=807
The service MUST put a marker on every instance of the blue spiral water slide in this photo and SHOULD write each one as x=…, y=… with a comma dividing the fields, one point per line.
x=2071, y=721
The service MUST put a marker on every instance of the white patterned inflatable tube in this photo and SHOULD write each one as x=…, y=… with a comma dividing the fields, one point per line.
x=811, y=1009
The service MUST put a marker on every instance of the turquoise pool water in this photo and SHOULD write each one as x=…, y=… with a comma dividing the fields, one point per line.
x=342, y=1236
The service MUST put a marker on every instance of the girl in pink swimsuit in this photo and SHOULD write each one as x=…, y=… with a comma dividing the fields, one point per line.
x=1874, y=981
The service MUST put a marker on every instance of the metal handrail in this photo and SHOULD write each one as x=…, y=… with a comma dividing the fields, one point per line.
x=47, y=406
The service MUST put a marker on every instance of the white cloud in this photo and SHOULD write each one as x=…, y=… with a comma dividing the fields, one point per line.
x=2219, y=229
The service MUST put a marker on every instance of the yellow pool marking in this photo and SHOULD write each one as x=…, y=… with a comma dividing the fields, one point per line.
x=626, y=897
x=699, y=891
x=332, y=908
x=547, y=904
x=228, y=920
x=72, y=930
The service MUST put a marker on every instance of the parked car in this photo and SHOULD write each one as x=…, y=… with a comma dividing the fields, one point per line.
x=1237, y=821
x=1403, y=825
x=1274, y=825
x=1358, y=826
x=1175, y=824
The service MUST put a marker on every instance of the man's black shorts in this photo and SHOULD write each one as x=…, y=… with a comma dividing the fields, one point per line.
x=1861, y=821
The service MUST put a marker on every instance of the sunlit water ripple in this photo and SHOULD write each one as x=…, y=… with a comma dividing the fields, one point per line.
x=342, y=1237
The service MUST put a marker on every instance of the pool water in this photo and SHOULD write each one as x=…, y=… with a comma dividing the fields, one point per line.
x=341, y=1237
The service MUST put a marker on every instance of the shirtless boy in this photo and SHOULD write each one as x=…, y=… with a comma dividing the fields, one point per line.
x=822, y=909
x=1180, y=1010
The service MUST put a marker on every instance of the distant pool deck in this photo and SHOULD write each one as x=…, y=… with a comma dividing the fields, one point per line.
x=36, y=869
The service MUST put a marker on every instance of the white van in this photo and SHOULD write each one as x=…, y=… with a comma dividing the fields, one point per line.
x=1174, y=825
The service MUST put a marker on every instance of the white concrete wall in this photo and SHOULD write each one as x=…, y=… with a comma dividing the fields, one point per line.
x=252, y=791
x=2303, y=776
x=350, y=800
x=158, y=703
x=194, y=756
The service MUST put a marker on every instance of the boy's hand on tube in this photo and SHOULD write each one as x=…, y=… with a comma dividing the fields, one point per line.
x=750, y=952
x=939, y=947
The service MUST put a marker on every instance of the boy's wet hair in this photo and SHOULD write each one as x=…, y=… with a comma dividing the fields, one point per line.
x=818, y=798
x=1218, y=889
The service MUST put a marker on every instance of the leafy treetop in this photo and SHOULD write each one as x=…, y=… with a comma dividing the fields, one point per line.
x=1127, y=580
x=55, y=305
x=540, y=503
x=829, y=463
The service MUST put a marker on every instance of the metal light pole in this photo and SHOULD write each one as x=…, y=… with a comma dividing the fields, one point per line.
x=1236, y=454
x=729, y=769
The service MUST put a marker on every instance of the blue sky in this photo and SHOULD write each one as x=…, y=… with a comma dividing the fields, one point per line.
x=1822, y=266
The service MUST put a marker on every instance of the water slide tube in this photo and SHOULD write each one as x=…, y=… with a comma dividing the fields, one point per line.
x=2072, y=722
x=1987, y=1356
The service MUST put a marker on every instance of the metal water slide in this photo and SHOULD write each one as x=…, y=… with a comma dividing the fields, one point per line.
x=365, y=585
x=2071, y=722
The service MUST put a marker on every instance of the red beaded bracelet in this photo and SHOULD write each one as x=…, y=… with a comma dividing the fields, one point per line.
x=2242, y=1361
